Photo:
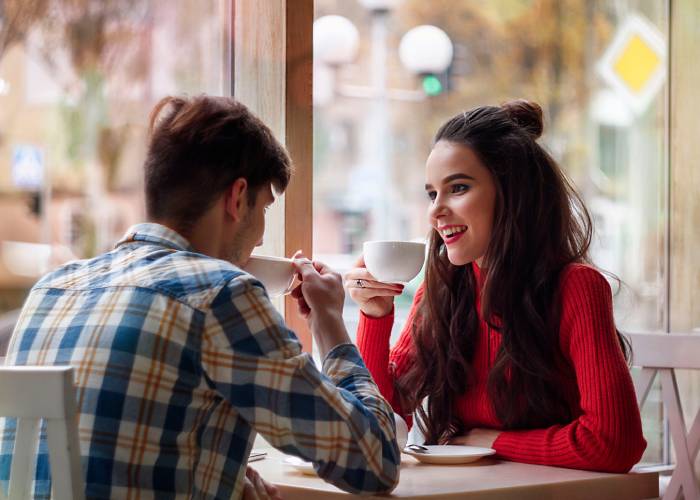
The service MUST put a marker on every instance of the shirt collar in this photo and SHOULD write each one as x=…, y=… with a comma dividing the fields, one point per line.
x=159, y=234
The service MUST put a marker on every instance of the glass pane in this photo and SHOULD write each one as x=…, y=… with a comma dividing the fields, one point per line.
x=77, y=80
x=605, y=123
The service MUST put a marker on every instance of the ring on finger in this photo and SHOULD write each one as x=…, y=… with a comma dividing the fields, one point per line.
x=360, y=283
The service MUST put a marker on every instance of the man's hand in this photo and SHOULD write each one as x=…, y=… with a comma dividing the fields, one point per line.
x=256, y=488
x=320, y=299
x=476, y=437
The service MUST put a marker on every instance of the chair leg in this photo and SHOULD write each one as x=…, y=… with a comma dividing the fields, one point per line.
x=684, y=467
x=674, y=487
x=23, y=462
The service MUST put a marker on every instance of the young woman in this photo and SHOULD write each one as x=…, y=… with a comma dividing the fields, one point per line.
x=511, y=336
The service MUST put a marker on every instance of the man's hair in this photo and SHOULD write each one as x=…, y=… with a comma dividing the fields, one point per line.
x=198, y=147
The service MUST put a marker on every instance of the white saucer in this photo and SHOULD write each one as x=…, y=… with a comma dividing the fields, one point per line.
x=450, y=454
x=300, y=465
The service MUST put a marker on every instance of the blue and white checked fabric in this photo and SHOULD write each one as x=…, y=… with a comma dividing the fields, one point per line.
x=179, y=360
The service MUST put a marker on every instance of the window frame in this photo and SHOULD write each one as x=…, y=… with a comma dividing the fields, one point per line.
x=271, y=58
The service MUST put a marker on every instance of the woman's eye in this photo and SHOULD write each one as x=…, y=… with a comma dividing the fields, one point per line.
x=460, y=188
x=432, y=195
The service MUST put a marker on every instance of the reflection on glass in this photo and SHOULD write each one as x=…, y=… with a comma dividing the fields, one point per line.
x=373, y=131
x=77, y=79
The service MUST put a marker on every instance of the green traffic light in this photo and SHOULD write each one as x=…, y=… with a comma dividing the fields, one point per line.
x=432, y=85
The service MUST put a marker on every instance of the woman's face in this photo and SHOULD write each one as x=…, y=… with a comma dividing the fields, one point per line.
x=462, y=196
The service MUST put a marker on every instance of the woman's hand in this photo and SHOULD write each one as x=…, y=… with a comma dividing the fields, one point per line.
x=256, y=488
x=476, y=437
x=376, y=299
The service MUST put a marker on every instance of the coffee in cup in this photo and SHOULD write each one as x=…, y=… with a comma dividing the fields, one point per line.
x=276, y=273
x=394, y=261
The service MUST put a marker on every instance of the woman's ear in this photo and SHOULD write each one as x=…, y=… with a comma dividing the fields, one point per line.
x=236, y=199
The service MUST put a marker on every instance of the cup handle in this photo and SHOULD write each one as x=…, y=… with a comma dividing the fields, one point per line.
x=290, y=286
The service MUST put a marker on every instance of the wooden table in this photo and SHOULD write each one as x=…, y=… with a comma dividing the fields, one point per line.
x=484, y=479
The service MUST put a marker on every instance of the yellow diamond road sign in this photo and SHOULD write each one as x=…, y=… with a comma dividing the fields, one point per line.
x=634, y=64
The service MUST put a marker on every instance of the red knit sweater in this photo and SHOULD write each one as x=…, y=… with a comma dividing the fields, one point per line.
x=606, y=434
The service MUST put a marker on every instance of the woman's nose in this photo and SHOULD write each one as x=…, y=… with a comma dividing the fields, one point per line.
x=437, y=208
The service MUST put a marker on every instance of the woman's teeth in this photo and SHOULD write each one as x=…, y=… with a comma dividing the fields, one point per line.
x=450, y=231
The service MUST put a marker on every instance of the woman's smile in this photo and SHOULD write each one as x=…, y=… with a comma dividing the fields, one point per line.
x=451, y=233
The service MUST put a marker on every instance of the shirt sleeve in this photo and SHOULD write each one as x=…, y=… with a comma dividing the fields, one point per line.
x=337, y=419
x=385, y=364
x=607, y=436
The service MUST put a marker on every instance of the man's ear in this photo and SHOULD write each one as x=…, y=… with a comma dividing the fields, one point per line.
x=236, y=199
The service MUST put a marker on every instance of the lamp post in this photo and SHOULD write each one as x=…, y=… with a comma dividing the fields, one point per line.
x=375, y=144
x=424, y=50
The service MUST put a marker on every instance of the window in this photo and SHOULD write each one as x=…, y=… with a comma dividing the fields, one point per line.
x=77, y=80
x=374, y=123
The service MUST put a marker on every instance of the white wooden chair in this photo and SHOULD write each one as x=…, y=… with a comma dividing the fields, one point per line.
x=664, y=353
x=32, y=393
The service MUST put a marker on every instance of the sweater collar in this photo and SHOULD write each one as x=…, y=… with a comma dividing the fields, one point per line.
x=478, y=274
x=479, y=278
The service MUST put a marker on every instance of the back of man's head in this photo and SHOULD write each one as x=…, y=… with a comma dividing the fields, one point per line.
x=198, y=147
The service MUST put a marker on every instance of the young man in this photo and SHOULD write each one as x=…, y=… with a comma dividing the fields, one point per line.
x=179, y=356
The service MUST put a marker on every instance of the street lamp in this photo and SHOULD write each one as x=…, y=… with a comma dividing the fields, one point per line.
x=335, y=40
x=427, y=51
x=424, y=51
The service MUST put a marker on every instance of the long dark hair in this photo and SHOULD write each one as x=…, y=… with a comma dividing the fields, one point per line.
x=540, y=226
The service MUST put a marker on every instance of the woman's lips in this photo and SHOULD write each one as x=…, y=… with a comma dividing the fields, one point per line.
x=449, y=240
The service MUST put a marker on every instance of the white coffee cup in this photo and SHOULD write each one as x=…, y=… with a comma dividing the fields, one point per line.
x=276, y=273
x=394, y=261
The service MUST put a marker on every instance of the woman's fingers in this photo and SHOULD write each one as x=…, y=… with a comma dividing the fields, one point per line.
x=372, y=285
x=364, y=294
x=375, y=298
x=360, y=273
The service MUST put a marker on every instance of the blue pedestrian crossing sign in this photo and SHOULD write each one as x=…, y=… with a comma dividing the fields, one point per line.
x=28, y=167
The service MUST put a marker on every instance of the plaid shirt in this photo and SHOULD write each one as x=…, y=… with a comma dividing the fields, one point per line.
x=179, y=360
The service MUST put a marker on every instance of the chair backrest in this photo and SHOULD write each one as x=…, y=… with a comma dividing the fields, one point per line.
x=666, y=350
x=30, y=394
x=662, y=354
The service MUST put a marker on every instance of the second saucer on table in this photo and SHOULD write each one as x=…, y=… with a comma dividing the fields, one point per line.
x=449, y=454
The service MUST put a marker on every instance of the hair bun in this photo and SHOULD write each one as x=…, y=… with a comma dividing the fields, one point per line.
x=527, y=114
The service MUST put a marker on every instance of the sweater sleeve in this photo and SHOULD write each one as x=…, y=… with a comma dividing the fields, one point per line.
x=607, y=436
x=385, y=364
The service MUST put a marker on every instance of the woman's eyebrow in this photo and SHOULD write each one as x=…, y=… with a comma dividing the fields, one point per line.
x=451, y=178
